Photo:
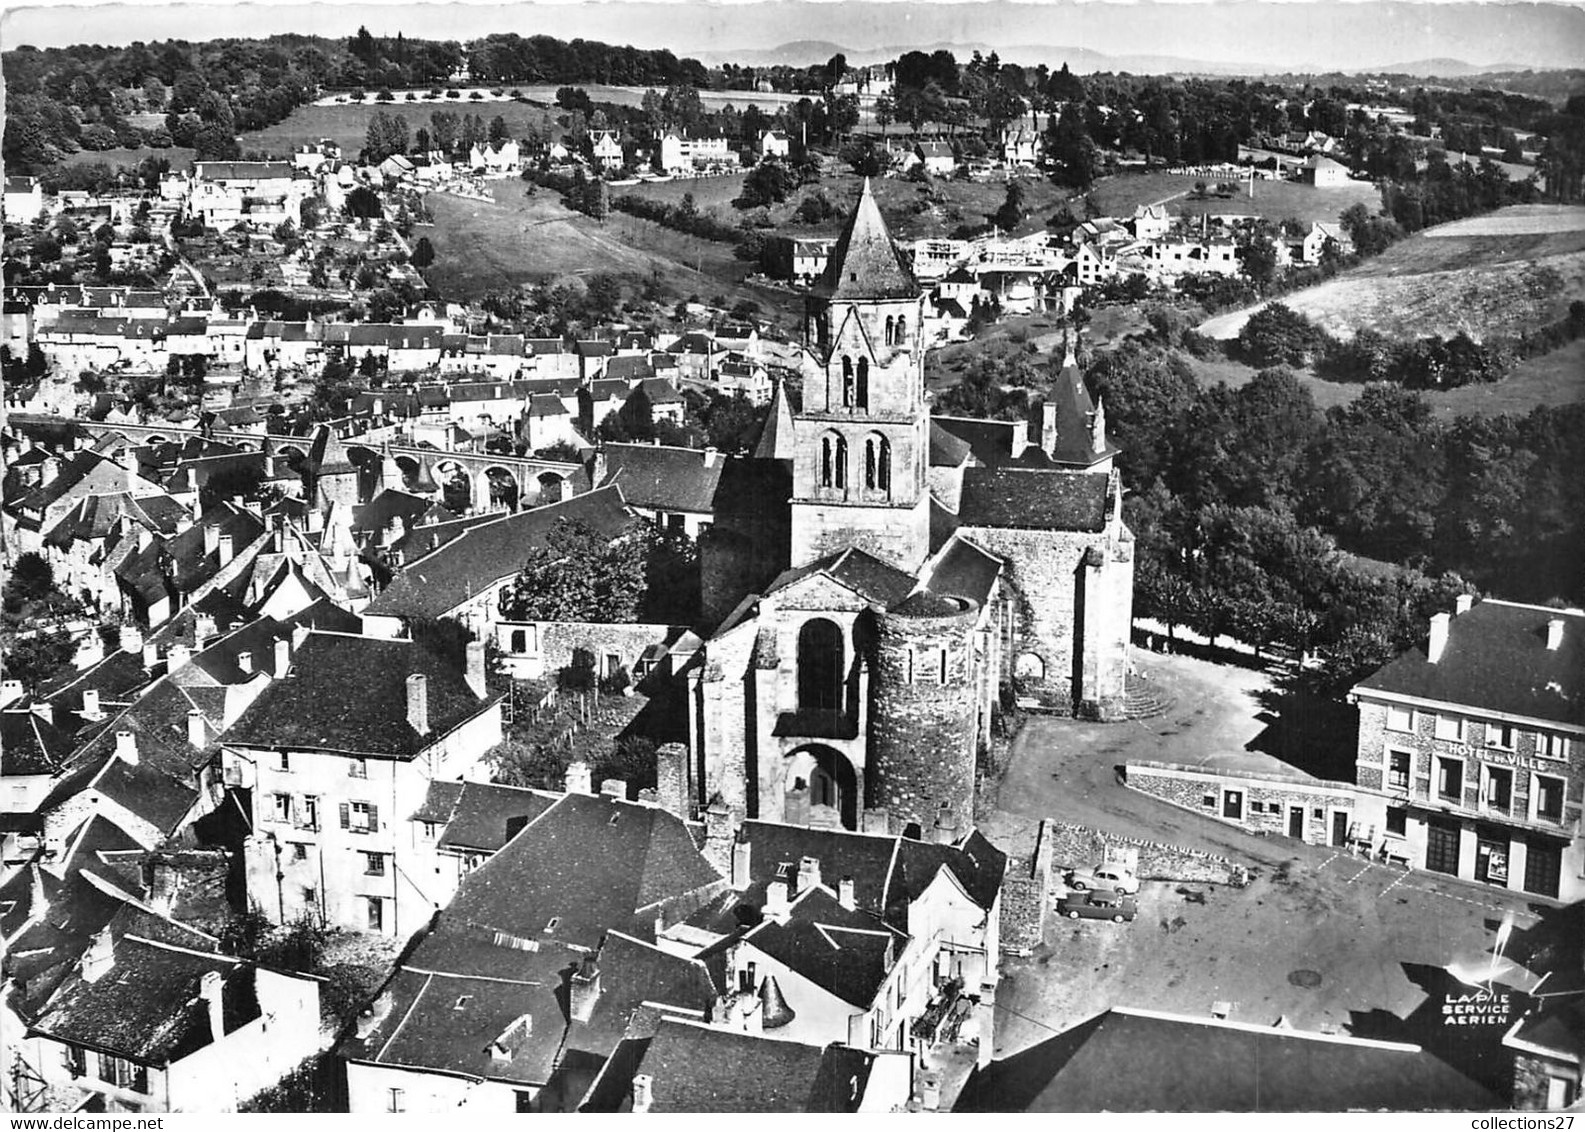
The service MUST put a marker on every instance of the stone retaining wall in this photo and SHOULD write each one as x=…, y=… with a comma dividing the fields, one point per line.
x=1074, y=846
x=1026, y=897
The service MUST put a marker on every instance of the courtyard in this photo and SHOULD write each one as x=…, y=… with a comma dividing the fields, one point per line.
x=1320, y=939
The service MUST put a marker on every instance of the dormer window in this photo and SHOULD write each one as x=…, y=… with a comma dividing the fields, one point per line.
x=550, y=925
x=462, y=1002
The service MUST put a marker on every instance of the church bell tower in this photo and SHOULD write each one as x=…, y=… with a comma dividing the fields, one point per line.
x=863, y=437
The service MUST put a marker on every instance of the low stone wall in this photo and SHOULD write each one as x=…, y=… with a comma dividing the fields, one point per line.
x=1076, y=846
x=1026, y=897
x=1264, y=801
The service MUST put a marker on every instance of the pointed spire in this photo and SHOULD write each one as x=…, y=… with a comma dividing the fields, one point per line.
x=1098, y=426
x=775, y=1013
x=776, y=438
x=865, y=264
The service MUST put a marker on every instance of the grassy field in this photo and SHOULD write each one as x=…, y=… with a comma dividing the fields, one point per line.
x=522, y=237
x=913, y=211
x=1275, y=200
x=634, y=96
x=1497, y=275
x=180, y=158
x=347, y=126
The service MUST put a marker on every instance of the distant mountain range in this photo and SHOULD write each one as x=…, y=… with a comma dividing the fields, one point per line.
x=1080, y=60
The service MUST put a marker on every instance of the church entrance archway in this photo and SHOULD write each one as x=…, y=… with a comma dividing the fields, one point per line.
x=820, y=788
x=820, y=666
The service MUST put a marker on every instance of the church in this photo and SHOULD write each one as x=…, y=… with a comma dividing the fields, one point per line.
x=879, y=575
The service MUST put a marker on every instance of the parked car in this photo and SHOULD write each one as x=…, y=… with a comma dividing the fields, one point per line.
x=1114, y=878
x=1098, y=906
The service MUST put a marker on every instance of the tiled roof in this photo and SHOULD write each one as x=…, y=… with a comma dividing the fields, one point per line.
x=1496, y=659
x=592, y=864
x=485, y=815
x=660, y=478
x=242, y=170
x=1030, y=499
x=659, y=391
x=865, y=264
x=628, y=368
x=1140, y=1061
x=845, y=952
x=349, y=694
x=490, y=553
x=632, y=973
x=29, y=745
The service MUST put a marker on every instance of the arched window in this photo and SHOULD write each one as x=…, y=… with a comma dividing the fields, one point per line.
x=826, y=457
x=902, y=331
x=842, y=463
x=863, y=401
x=870, y=453
x=890, y=330
x=847, y=381
x=819, y=666
x=877, y=464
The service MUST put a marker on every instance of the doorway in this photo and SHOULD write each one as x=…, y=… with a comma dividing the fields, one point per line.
x=1441, y=848
x=1233, y=804
x=1543, y=868
x=1339, y=828
x=1296, y=822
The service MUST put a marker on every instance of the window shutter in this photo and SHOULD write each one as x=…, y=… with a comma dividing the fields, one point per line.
x=374, y=818
x=346, y=815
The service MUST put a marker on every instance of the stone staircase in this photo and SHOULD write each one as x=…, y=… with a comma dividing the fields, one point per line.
x=1145, y=699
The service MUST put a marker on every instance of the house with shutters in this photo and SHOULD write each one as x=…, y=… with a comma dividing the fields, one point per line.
x=1471, y=749
x=335, y=756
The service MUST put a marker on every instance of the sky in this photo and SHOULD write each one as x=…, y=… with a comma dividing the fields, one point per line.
x=1268, y=34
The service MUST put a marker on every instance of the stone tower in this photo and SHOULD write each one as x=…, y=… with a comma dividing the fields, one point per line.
x=863, y=437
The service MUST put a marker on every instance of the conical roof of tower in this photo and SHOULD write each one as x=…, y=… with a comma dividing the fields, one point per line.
x=865, y=264
x=1075, y=411
x=776, y=1011
x=776, y=440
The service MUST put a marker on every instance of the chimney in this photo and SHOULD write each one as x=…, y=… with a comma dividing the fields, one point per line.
x=209, y=988
x=579, y=779
x=1554, y=634
x=195, y=729
x=131, y=638
x=49, y=468
x=808, y=873
x=418, y=702
x=203, y=631
x=584, y=990
x=1048, y=426
x=211, y=539
x=1438, y=640
x=151, y=654
x=91, y=709
x=710, y=456
x=224, y=548
x=299, y=635
x=946, y=828
x=283, y=657
x=614, y=788
x=127, y=747
x=475, y=668
x=845, y=895
x=100, y=956
x=316, y=520
x=245, y=662
x=742, y=858
x=643, y=1092
x=1464, y=604
x=777, y=897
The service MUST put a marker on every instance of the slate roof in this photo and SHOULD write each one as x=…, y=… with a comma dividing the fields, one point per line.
x=191, y=565
x=1141, y=1061
x=865, y=264
x=964, y=570
x=658, y=391
x=1496, y=659
x=856, y=569
x=1033, y=499
x=366, y=714
x=698, y=1069
x=242, y=170
x=29, y=745
x=147, y=1008
x=375, y=515
x=777, y=439
x=1075, y=410
x=632, y=973
x=946, y=449
x=591, y=862
x=446, y=1021
x=485, y=815
x=628, y=368
x=490, y=553
x=662, y=478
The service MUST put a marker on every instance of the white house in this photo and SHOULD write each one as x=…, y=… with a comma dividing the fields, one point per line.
x=774, y=143
x=24, y=199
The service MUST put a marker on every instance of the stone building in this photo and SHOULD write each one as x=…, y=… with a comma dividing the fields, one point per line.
x=929, y=564
x=1471, y=755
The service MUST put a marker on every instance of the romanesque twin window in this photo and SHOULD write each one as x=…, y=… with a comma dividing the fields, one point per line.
x=897, y=331
x=855, y=383
x=877, y=468
x=877, y=464
x=833, y=462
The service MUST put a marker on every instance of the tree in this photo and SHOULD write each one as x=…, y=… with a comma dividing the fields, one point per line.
x=423, y=253
x=581, y=574
x=1260, y=261
x=1011, y=214
x=1278, y=335
x=769, y=183
x=499, y=134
